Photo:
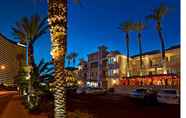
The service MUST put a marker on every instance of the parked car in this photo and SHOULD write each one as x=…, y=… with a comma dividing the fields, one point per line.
x=151, y=96
x=95, y=91
x=80, y=90
x=168, y=96
x=138, y=93
x=88, y=90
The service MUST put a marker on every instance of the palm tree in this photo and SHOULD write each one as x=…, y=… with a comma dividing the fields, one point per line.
x=28, y=31
x=74, y=56
x=139, y=27
x=43, y=72
x=69, y=58
x=126, y=27
x=41, y=75
x=57, y=11
x=157, y=15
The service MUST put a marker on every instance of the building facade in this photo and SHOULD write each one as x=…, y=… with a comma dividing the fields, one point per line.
x=12, y=56
x=97, y=62
x=116, y=68
x=108, y=68
x=152, y=63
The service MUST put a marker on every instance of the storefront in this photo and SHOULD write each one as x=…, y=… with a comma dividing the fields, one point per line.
x=154, y=80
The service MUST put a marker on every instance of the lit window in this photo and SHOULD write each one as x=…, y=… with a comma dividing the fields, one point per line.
x=115, y=71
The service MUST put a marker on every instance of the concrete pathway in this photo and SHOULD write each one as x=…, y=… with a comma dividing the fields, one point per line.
x=15, y=109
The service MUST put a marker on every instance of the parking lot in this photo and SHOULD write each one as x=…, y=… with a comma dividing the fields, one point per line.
x=118, y=106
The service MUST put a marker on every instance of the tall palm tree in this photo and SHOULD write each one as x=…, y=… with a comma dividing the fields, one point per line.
x=139, y=27
x=157, y=15
x=28, y=30
x=74, y=56
x=57, y=11
x=126, y=27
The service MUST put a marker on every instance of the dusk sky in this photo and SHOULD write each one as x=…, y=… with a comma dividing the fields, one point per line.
x=96, y=22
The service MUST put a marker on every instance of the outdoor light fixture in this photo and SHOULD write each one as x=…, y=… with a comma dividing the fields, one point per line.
x=113, y=81
x=2, y=67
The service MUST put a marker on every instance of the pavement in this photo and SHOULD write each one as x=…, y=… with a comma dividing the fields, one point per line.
x=14, y=107
x=120, y=106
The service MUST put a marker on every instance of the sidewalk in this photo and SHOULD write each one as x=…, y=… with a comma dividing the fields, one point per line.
x=15, y=109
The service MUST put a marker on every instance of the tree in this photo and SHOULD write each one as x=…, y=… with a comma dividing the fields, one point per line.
x=126, y=27
x=28, y=31
x=157, y=15
x=139, y=27
x=42, y=73
x=74, y=56
x=57, y=11
x=69, y=58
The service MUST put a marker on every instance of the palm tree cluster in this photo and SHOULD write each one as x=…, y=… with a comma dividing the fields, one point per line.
x=138, y=27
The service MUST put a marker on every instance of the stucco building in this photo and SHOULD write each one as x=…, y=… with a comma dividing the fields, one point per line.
x=109, y=68
x=97, y=63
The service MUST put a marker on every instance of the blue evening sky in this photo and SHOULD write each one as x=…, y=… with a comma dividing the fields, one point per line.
x=96, y=22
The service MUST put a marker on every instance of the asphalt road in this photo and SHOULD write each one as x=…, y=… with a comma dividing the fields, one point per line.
x=114, y=106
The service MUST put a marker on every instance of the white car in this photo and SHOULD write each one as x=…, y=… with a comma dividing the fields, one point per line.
x=168, y=96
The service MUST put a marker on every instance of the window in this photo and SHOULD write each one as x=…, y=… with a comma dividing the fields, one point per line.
x=173, y=59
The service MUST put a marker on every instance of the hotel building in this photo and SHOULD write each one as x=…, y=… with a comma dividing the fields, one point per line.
x=108, y=69
x=97, y=63
x=12, y=55
x=152, y=64
x=116, y=68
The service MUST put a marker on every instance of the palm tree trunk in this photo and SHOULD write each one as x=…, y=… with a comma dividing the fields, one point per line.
x=159, y=29
x=57, y=10
x=162, y=44
x=127, y=47
x=30, y=63
x=31, y=55
x=59, y=95
x=140, y=50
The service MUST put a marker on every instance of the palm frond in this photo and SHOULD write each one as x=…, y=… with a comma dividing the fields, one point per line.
x=126, y=26
x=139, y=26
x=158, y=13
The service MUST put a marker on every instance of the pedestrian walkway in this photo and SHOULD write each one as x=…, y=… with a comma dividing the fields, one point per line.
x=15, y=109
